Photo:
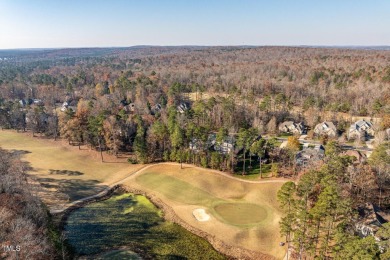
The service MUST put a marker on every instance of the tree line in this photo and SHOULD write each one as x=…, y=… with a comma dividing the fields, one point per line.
x=321, y=210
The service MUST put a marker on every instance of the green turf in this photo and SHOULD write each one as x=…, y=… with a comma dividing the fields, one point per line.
x=100, y=226
x=252, y=170
x=176, y=189
x=241, y=213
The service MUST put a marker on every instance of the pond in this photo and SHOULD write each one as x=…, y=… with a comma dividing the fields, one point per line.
x=132, y=221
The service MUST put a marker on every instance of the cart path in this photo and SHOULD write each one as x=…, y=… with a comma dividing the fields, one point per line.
x=139, y=171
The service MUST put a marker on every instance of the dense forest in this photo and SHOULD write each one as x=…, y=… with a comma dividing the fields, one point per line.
x=220, y=107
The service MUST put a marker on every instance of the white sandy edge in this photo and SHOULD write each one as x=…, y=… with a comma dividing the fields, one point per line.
x=201, y=215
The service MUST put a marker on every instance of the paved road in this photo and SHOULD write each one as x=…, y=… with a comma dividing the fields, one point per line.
x=343, y=147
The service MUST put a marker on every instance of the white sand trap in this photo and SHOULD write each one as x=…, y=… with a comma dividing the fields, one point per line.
x=201, y=215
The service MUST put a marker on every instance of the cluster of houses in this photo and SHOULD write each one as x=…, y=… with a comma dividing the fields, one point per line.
x=361, y=129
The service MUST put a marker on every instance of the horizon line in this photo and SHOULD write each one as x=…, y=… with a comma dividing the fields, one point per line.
x=196, y=45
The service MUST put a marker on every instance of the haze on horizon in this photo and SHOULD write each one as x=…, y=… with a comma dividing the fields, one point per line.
x=116, y=23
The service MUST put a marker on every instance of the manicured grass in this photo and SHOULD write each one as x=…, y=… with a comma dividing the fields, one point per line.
x=80, y=173
x=132, y=221
x=64, y=168
x=176, y=189
x=241, y=213
x=252, y=171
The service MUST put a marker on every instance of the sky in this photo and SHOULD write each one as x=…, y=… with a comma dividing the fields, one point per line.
x=121, y=23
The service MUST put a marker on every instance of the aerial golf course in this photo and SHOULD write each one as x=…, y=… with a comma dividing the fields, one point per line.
x=242, y=213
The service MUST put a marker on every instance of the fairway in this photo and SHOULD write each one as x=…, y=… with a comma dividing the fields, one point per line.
x=242, y=214
x=62, y=169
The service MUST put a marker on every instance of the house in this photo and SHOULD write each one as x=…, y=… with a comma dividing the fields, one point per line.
x=310, y=154
x=197, y=145
x=370, y=220
x=358, y=156
x=360, y=130
x=292, y=127
x=182, y=108
x=226, y=147
x=326, y=128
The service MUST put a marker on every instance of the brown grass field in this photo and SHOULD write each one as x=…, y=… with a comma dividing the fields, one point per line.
x=242, y=214
x=65, y=170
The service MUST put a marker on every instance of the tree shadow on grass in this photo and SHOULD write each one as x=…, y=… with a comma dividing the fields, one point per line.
x=65, y=172
x=76, y=189
x=19, y=152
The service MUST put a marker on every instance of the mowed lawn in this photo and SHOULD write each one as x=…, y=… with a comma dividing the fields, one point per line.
x=242, y=214
x=75, y=173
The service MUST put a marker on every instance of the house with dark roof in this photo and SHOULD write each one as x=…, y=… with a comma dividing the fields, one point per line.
x=310, y=154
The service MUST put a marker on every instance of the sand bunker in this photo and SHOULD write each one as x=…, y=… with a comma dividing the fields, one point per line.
x=201, y=215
